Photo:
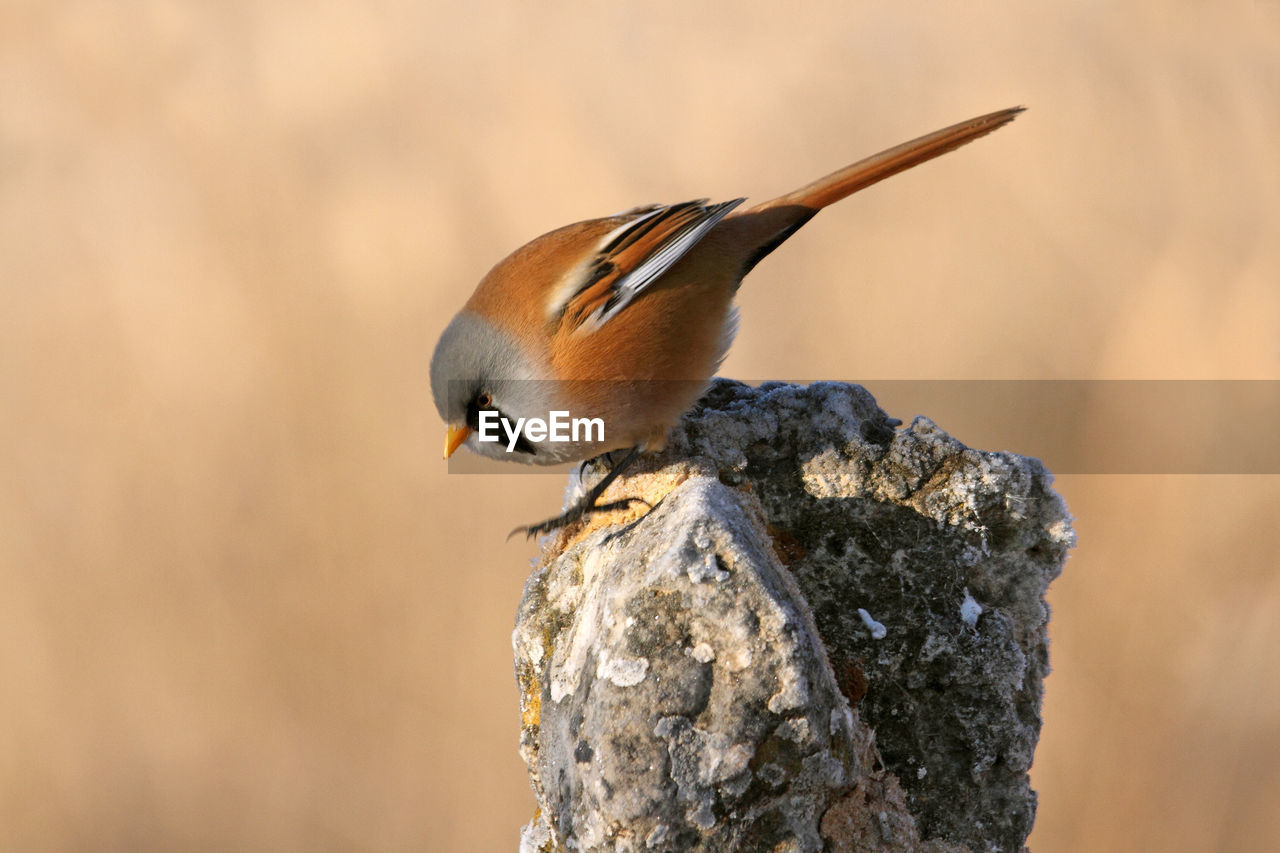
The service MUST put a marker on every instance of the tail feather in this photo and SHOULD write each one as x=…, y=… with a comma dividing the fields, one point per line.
x=772, y=222
x=864, y=173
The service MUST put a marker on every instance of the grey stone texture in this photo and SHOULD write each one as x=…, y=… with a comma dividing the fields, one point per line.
x=830, y=634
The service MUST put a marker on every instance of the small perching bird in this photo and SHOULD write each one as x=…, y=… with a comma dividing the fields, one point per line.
x=619, y=323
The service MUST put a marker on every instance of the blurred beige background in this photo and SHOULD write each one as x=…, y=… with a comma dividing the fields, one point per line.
x=242, y=604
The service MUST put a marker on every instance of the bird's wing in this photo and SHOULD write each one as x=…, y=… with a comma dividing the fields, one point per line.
x=635, y=254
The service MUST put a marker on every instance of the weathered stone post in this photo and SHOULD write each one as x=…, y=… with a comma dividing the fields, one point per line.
x=829, y=635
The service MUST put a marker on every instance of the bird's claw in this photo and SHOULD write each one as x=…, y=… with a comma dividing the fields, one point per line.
x=574, y=513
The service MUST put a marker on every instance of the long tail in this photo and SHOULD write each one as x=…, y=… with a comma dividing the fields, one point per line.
x=766, y=226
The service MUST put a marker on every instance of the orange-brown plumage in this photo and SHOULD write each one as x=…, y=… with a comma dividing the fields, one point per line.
x=631, y=314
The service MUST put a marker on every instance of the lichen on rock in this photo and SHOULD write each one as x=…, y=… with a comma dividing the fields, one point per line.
x=702, y=679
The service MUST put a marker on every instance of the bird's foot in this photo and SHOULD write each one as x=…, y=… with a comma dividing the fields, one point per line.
x=580, y=510
x=586, y=506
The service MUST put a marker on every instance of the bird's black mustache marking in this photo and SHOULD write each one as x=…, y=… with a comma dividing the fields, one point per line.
x=522, y=444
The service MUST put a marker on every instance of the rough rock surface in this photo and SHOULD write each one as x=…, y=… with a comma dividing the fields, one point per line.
x=830, y=634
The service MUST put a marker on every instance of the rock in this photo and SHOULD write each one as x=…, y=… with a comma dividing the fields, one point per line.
x=829, y=634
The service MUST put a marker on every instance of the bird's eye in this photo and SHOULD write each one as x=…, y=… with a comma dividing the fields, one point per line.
x=484, y=401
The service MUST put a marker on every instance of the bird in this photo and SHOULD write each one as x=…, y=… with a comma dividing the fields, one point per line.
x=617, y=324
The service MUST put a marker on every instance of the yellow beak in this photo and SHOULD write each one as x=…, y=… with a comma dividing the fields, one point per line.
x=453, y=440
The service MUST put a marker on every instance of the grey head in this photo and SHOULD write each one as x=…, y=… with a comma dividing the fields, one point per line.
x=478, y=367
